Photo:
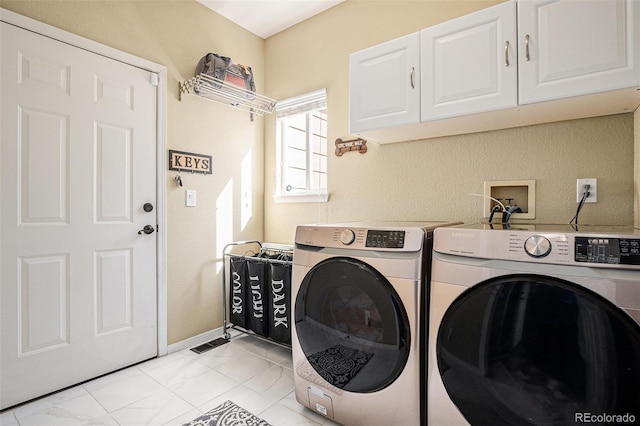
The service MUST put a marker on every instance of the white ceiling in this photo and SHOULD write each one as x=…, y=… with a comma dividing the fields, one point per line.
x=268, y=17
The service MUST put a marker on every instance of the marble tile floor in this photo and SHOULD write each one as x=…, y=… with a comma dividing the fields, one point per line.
x=175, y=389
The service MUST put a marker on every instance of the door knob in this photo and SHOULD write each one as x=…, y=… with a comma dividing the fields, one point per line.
x=147, y=207
x=148, y=229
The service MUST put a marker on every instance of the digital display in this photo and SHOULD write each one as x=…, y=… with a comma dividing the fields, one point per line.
x=623, y=251
x=385, y=239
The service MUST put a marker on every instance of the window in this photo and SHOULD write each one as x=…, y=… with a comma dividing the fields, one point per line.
x=301, y=137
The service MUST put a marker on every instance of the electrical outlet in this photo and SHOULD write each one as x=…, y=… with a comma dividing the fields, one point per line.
x=593, y=190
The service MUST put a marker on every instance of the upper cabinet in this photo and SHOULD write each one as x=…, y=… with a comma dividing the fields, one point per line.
x=469, y=64
x=513, y=64
x=384, y=85
x=572, y=48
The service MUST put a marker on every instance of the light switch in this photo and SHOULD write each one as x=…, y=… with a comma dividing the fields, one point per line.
x=190, y=198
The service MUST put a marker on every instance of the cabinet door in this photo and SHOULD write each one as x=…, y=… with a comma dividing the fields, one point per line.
x=468, y=64
x=570, y=48
x=384, y=85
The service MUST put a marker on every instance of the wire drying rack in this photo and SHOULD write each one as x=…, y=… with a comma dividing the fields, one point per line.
x=266, y=248
x=220, y=91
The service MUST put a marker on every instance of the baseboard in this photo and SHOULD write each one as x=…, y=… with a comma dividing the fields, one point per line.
x=195, y=340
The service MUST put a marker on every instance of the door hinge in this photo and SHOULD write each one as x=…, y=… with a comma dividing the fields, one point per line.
x=154, y=79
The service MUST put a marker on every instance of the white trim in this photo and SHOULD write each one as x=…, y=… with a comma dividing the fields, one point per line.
x=306, y=104
x=194, y=341
x=46, y=30
x=161, y=201
x=302, y=198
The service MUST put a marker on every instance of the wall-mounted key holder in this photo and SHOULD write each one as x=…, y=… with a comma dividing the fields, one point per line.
x=182, y=161
x=359, y=145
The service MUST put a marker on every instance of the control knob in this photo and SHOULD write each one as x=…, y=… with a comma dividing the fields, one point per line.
x=347, y=237
x=537, y=246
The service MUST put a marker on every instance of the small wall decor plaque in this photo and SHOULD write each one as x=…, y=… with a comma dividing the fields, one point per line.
x=359, y=145
x=189, y=162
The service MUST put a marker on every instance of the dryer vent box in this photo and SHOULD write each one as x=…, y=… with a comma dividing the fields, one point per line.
x=523, y=193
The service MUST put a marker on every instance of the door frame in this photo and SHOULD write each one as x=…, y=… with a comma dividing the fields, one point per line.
x=161, y=126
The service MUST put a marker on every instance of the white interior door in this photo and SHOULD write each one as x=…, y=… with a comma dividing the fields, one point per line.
x=78, y=162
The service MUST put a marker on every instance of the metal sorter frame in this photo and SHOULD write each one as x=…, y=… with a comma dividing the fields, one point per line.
x=267, y=247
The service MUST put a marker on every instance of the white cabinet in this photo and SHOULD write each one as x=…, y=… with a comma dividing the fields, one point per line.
x=384, y=85
x=469, y=64
x=571, y=48
x=514, y=64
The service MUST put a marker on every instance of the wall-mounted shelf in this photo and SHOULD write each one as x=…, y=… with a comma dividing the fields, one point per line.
x=219, y=91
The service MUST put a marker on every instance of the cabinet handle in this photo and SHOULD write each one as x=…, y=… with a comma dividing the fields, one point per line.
x=506, y=53
x=412, y=78
x=526, y=47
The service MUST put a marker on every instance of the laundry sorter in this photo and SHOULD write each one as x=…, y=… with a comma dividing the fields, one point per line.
x=256, y=290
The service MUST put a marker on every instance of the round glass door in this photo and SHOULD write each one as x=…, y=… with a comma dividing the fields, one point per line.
x=535, y=350
x=351, y=325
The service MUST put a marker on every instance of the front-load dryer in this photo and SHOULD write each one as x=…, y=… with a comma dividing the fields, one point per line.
x=534, y=325
x=358, y=339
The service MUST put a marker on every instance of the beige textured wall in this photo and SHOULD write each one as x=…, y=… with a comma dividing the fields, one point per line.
x=414, y=180
x=176, y=34
x=431, y=179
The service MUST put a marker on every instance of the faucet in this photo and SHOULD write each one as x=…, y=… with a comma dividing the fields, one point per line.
x=495, y=209
x=508, y=211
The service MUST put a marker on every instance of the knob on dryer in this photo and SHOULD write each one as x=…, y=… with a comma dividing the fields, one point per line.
x=537, y=246
x=347, y=237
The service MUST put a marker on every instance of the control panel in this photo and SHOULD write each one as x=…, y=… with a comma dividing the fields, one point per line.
x=613, y=251
x=405, y=239
x=385, y=239
x=596, y=248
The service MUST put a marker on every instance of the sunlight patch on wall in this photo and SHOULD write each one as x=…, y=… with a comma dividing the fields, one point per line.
x=224, y=220
x=246, y=210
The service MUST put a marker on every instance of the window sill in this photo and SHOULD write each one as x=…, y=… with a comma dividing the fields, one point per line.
x=301, y=198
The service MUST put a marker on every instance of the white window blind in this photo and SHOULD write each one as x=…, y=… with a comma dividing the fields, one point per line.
x=300, y=104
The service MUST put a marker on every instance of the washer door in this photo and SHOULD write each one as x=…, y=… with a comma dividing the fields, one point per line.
x=529, y=349
x=351, y=325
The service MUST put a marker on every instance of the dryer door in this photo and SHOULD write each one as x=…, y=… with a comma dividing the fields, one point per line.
x=537, y=350
x=352, y=325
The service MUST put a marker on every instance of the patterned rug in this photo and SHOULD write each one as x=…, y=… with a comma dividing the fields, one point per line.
x=227, y=414
x=339, y=364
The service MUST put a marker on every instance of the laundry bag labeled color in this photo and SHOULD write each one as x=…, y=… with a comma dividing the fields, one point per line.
x=238, y=304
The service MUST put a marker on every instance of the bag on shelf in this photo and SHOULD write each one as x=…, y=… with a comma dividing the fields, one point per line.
x=257, y=297
x=280, y=302
x=222, y=68
x=238, y=303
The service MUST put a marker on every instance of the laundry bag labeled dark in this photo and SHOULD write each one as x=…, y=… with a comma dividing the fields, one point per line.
x=238, y=303
x=257, y=297
x=280, y=302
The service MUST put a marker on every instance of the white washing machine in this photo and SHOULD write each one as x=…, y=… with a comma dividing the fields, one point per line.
x=358, y=341
x=534, y=325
